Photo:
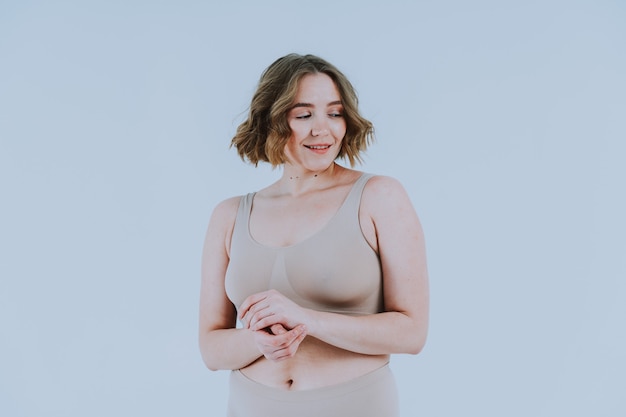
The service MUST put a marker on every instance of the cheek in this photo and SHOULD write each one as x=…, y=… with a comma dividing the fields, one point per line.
x=298, y=131
x=292, y=145
x=339, y=130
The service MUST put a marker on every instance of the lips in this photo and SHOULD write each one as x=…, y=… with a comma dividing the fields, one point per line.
x=317, y=147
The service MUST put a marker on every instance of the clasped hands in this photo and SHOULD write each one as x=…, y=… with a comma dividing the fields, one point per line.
x=278, y=324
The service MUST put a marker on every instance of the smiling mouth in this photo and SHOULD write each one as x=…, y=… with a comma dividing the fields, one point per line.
x=317, y=147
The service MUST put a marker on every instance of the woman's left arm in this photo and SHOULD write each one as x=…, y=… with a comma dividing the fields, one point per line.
x=396, y=232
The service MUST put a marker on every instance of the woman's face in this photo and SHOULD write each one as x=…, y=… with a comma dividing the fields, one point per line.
x=317, y=124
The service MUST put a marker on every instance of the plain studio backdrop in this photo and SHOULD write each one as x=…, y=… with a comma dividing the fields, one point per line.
x=505, y=121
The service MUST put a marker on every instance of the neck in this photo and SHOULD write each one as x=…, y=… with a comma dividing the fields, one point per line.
x=297, y=181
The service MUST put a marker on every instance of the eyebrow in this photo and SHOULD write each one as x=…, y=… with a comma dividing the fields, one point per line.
x=332, y=103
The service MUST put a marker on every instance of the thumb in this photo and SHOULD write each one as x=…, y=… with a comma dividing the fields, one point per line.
x=277, y=329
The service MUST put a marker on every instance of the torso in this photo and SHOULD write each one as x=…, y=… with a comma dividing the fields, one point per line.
x=315, y=365
x=282, y=222
x=301, y=217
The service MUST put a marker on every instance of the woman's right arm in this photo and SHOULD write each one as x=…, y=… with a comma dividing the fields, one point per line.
x=222, y=345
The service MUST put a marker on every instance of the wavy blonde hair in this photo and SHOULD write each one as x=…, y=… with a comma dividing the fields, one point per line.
x=265, y=133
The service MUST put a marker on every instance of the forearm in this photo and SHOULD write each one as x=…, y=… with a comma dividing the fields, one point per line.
x=383, y=333
x=228, y=348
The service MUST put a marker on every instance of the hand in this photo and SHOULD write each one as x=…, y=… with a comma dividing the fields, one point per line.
x=265, y=309
x=277, y=343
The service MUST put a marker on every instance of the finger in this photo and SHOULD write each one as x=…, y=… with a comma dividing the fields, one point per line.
x=256, y=314
x=264, y=319
x=277, y=329
x=249, y=302
x=272, y=343
x=299, y=339
x=300, y=331
x=292, y=335
x=290, y=350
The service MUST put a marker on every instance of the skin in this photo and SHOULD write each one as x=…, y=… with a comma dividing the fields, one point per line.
x=282, y=344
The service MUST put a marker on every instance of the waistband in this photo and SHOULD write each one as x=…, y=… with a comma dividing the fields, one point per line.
x=239, y=380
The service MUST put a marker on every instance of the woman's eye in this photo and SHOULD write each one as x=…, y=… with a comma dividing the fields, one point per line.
x=303, y=116
x=335, y=114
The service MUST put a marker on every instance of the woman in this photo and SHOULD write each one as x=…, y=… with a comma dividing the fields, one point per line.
x=325, y=269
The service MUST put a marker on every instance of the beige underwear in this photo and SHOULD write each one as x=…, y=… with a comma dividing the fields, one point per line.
x=371, y=395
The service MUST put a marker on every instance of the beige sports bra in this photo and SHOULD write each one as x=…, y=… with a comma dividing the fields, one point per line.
x=334, y=270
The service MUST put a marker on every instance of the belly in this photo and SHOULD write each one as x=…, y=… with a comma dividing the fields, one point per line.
x=316, y=364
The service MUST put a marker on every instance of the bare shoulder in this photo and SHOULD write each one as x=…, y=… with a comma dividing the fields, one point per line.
x=383, y=193
x=399, y=233
x=383, y=183
x=226, y=210
x=222, y=223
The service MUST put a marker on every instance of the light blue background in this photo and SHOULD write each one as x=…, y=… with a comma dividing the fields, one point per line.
x=505, y=121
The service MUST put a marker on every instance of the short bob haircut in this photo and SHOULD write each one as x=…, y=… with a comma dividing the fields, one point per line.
x=263, y=136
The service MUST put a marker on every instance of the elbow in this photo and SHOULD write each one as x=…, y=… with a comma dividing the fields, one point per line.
x=212, y=363
x=416, y=348
x=417, y=342
x=212, y=367
x=208, y=357
x=208, y=362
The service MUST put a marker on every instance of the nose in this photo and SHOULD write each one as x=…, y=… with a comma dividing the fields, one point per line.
x=319, y=128
x=319, y=132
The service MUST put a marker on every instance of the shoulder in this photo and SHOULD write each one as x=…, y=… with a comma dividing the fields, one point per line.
x=397, y=225
x=380, y=186
x=227, y=208
x=224, y=214
x=221, y=225
x=384, y=195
